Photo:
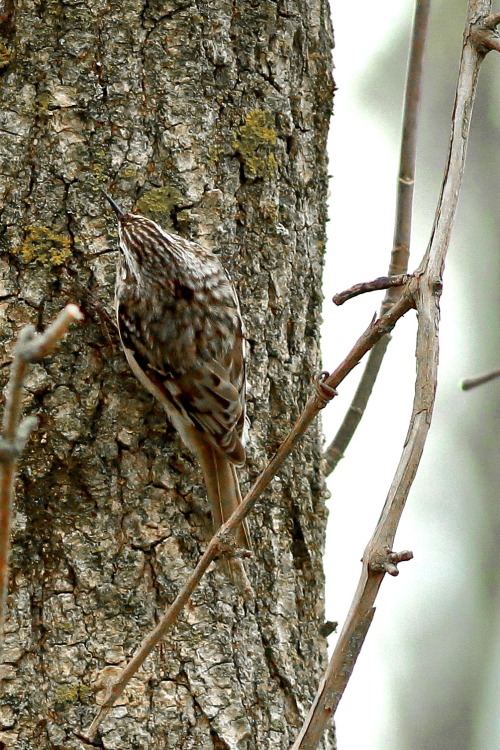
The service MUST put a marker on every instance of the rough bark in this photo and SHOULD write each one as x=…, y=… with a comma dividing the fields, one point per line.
x=211, y=118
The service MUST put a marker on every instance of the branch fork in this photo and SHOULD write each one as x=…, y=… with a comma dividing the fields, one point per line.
x=12, y=449
x=484, y=34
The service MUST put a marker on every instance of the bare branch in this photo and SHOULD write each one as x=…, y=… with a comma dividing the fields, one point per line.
x=402, y=232
x=30, y=347
x=383, y=282
x=378, y=558
x=336, y=450
x=470, y=383
x=406, y=180
x=484, y=34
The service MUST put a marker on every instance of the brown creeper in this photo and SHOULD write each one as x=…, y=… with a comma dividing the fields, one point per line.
x=181, y=330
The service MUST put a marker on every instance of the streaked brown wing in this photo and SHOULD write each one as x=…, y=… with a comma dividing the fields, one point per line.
x=204, y=395
x=213, y=404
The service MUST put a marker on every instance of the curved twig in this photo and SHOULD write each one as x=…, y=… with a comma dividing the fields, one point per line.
x=383, y=282
x=402, y=233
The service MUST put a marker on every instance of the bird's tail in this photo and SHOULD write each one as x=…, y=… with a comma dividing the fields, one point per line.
x=223, y=490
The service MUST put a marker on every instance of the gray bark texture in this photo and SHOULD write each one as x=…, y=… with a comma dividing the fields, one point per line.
x=211, y=117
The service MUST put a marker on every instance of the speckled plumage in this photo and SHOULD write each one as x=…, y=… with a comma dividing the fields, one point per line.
x=181, y=330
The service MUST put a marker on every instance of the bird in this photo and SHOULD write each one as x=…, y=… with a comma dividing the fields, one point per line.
x=181, y=329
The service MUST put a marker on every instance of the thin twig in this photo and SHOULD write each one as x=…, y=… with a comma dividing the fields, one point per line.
x=372, y=334
x=30, y=347
x=336, y=450
x=402, y=232
x=378, y=558
x=470, y=383
x=383, y=282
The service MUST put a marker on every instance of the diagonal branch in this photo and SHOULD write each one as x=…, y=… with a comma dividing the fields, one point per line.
x=378, y=558
x=402, y=233
x=375, y=331
x=30, y=347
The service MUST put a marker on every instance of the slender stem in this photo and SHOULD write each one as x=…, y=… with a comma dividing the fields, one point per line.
x=15, y=388
x=402, y=231
x=30, y=347
x=336, y=450
x=7, y=474
x=400, y=254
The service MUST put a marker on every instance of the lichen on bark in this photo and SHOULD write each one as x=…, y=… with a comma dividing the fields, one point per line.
x=160, y=103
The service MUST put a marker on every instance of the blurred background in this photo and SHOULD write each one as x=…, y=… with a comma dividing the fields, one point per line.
x=429, y=674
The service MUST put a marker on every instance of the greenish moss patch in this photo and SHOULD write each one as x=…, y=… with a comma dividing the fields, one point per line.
x=71, y=694
x=44, y=246
x=256, y=141
x=159, y=204
x=5, y=55
x=269, y=211
x=66, y=626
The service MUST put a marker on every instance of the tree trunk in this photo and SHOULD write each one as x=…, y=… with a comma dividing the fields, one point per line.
x=211, y=119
